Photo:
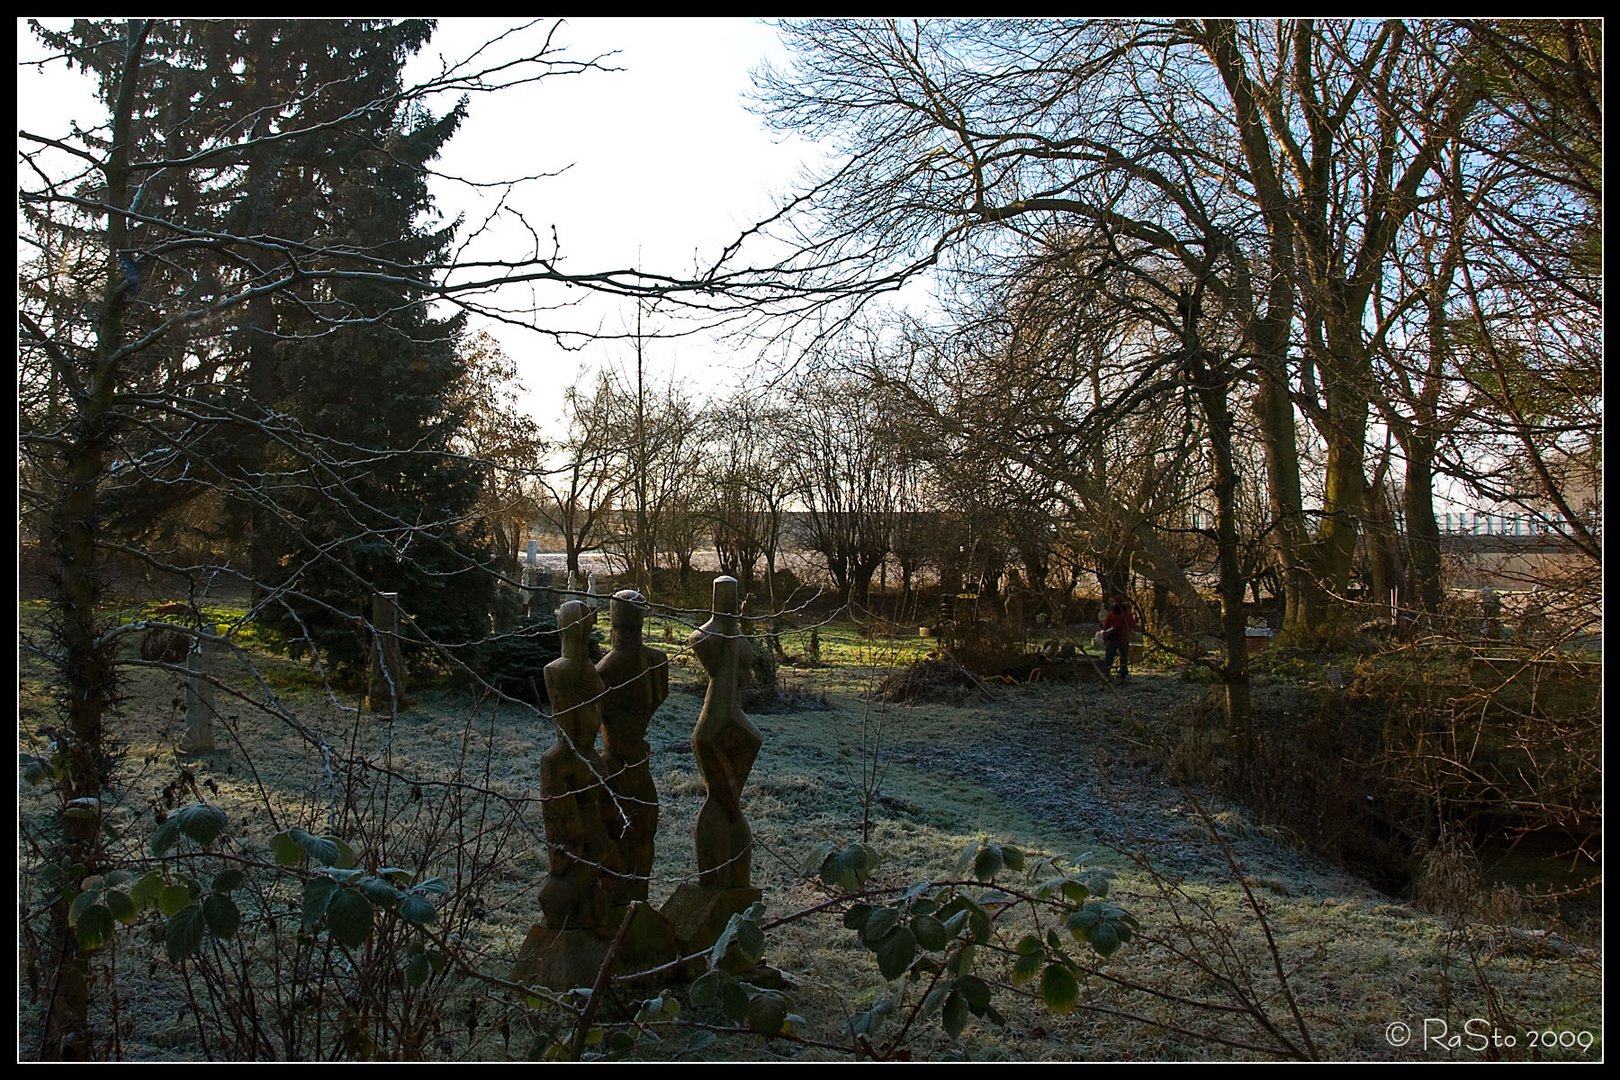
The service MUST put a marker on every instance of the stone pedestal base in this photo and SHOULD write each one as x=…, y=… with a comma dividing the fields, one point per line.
x=560, y=959
x=648, y=943
x=697, y=915
x=564, y=959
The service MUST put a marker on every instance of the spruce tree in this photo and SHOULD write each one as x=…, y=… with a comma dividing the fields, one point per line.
x=265, y=151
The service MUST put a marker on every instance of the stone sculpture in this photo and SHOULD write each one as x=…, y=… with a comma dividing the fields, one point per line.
x=637, y=680
x=571, y=783
x=725, y=743
x=566, y=948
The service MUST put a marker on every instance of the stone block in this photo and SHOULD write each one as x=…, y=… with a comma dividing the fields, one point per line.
x=697, y=914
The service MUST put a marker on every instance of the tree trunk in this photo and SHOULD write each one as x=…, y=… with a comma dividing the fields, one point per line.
x=1211, y=382
x=1422, y=530
x=87, y=669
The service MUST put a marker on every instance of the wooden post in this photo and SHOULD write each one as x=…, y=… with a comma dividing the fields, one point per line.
x=385, y=690
x=199, y=736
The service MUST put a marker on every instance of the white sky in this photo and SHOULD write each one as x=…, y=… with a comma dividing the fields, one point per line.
x=662, y=166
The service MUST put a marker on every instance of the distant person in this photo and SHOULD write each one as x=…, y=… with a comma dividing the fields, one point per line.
x=1116, y=632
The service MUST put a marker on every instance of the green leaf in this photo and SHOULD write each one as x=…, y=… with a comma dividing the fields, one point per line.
x=961, y=961
x=1097, y=882
x=221, y=915
x=878, y=925
x=1025, y=967
x=114, y=878
x=318, y=893
x=1028, y=944
x=324, y=850
x=722, y=944
x=975, y=990
x=931, y=1004
x=292, y=846
x=418, y=910
x=1105, y=926
x=930, y=932
x=1059, y=989
x=164, y=836
x=987, y=864
x=955, y=1017
x=284, y=850
x=417, y=970
x=349, y=916
x=965, y=860
x=1075, y=892
x=433, y=886
x=183, y=936
x=856, y=917
x=201, y=822
x=1105, y=939
x=767, y=1013
x=82, y=903
x=817, y=859
x=343, y=856
x=700, y=1041
x=228, y=880
x=173, y=898
x=145, y=892
x=378, y=891
x=895, y=952
x=849, y=867
x=706, y=988
x=94, y=927
x=1013, y=857
x=750, y=943
x=122, y=907
x=954, y=924
x=733, y=1001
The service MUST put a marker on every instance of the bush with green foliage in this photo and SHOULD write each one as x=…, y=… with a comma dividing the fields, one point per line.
x=514, y=663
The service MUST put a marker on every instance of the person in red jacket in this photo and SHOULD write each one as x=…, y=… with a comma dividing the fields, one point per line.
x=1116, y=631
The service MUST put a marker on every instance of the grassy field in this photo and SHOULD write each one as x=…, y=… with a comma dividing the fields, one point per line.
x=1248, y=948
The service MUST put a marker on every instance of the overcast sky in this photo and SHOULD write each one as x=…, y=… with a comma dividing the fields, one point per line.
x=661, y=164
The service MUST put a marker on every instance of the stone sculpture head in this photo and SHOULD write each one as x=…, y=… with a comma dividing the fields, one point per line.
x=625, y=615
x=571, y=619
x=725, y=595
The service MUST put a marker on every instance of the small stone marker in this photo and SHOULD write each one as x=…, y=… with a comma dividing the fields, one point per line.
x=199, y=736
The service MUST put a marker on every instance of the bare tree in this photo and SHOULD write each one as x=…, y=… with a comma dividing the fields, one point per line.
x=849, y=473
x=578, y=489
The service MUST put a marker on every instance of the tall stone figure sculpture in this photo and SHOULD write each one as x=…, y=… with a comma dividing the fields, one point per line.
x=637, y=680
x=725, y=743
x=567, y=947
